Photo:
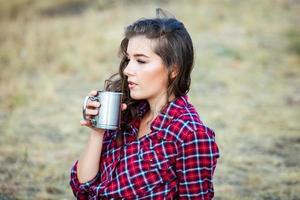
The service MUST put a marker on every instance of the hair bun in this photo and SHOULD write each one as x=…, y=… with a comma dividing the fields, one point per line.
x=163, y=14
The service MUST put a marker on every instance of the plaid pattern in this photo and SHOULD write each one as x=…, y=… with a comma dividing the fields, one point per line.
x=175, y=161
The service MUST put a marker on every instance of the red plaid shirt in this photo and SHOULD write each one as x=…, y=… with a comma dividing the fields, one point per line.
x=176, y=160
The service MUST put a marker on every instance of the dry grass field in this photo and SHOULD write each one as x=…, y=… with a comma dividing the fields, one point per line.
x=245, y=84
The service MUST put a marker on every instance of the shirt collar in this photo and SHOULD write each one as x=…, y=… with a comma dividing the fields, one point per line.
x=163, y=119
x=171, y=110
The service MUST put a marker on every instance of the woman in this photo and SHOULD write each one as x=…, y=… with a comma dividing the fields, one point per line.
x=162, y=150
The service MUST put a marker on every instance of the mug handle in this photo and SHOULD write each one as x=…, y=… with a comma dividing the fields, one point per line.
x=92, y=98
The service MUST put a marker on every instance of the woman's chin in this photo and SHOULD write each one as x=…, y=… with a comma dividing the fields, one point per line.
x=136, y=96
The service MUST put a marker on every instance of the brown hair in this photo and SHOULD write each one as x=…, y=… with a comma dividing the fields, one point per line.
x=173, y=45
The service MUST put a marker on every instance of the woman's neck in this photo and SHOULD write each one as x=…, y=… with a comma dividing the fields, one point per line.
x=156, y=104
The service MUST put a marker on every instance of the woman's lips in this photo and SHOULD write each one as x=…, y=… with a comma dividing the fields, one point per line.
x=131, y=84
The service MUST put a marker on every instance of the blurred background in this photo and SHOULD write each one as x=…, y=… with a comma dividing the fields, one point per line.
x=245, y=85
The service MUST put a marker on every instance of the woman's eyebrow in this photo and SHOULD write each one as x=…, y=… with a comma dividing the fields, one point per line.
x=140, y=55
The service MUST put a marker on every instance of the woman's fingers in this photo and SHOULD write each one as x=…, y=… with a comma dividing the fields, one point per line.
x=93, y=104
x=91, y=112
x=123, y=106
x=82, y=122
x=85, y=123
x=93, y=93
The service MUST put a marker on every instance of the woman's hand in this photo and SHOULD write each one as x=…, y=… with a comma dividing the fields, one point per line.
x=92, y=108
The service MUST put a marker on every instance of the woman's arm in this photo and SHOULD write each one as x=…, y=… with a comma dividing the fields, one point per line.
x=88, y=164
x=196, y=163
x=85, y=172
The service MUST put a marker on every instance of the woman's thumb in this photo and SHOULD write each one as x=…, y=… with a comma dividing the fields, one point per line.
x=123, y=106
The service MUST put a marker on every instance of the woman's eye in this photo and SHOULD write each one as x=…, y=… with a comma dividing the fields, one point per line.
x=141, y=61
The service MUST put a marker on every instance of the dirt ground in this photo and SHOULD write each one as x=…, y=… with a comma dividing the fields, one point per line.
x=245, y=85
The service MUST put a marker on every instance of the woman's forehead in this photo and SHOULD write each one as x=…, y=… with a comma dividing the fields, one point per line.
x=140, y=45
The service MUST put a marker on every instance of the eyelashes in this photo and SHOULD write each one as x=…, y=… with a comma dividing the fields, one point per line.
x=141, y=61
x=138, y=61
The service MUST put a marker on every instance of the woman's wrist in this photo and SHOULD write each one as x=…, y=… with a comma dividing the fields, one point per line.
x=99, y=133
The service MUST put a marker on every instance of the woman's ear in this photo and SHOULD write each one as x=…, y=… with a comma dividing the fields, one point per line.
x=174, y=71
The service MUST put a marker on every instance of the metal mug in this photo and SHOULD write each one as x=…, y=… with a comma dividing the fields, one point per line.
x=109, y=113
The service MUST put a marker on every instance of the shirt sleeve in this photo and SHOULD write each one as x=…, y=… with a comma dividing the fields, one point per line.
x=81, y=190
x=196, y=163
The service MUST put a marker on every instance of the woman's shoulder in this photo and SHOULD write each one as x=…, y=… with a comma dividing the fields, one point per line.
x=186, y=122
x=187, y=119
x=188, y=127
x=184, y=112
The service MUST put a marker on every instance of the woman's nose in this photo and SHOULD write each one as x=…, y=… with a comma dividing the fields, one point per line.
x=129, y=69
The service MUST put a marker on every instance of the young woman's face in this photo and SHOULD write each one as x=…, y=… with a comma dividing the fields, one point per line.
x=147, y=75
